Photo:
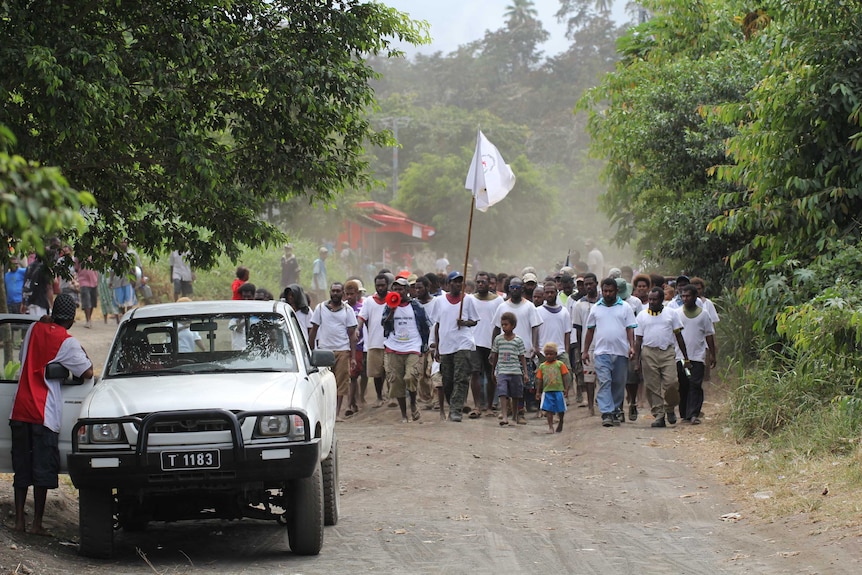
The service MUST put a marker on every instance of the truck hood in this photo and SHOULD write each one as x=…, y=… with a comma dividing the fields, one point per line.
x=232, y=391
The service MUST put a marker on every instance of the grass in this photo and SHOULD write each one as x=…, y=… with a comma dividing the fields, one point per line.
x=808, y=468
x=264, y=266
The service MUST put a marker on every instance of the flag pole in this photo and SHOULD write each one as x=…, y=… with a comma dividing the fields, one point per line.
x=467, y=254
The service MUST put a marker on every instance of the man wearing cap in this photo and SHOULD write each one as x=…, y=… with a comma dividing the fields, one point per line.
x=38, y=407
x=454, y=314
x=289, y=267
x=676, y=301
x=407, y=330
x=527, y=327
x=530, y=282
x=487, y=302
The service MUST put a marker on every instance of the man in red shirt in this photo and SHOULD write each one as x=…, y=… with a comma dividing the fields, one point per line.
x=38, y=407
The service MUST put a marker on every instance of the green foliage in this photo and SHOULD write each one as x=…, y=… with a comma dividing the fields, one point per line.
x=185, y=119
x=647, y=119
x=432, y=190
x=35, y=203
x=796, y=158
x=10, y=370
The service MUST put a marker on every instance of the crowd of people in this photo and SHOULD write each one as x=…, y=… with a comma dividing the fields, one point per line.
x=500, y=345
x=32, y=285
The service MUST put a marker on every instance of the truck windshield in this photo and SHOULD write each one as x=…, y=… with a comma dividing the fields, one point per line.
x=201, y=344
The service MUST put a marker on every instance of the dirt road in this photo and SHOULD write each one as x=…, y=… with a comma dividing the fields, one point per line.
x=436, y=497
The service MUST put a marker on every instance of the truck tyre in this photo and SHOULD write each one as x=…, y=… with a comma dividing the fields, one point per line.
x=96, y=522
x=331, y=491
x=305, y=522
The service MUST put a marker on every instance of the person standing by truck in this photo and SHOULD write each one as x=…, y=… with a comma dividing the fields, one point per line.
x=38, y=407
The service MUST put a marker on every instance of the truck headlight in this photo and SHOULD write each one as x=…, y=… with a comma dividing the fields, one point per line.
x=103, y=433
x=272, y=425
x=292, y=426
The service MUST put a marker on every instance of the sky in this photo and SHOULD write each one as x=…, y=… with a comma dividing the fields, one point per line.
x=456, y=22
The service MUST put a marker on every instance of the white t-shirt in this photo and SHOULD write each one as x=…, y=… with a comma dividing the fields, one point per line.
x=372, y=314
x=72, y=356
x=181, y=270
x=405, y=338
x=333, y=326
x=431, y=313
x=186, y=339
x=611, y=323
x=580, y=313
x=555, y=326
x=637, y=305
x=451, y=338
x=710, y=309
x=657, y=330
x=694, y=334
x=528, y=318
x=484, y=330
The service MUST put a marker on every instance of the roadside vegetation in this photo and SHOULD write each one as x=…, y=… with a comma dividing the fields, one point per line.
x=733, y=139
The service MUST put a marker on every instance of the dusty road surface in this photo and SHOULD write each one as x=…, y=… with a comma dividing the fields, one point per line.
x=472, y=497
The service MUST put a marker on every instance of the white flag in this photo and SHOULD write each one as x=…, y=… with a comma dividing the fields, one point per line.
x=490, y=178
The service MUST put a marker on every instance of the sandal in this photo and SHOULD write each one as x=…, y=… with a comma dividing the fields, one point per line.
x=474, y=414
x=504, y=423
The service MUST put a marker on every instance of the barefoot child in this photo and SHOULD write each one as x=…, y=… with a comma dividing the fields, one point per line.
x=552, y=386
x=510, y=364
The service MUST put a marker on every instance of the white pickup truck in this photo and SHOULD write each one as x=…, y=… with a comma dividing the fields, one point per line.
x=205, y=410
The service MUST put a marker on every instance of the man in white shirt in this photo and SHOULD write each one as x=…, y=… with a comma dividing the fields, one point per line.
x=487, y=303
x=658, y=330
x=585, y=374
x=698, y=334
x=455, y=343
x=181, y=274
x=371, y=316
x=333, y=327
x=611, y=324
x=406, y=330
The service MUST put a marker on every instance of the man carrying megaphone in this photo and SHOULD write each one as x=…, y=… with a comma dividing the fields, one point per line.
x=406, y=330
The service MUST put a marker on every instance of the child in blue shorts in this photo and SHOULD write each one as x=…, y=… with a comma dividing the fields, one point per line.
x=552, y=386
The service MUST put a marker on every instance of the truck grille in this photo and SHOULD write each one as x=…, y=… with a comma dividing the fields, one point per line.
x=189, y=425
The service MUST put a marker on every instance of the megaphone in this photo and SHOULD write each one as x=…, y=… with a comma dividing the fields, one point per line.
x=393, y=299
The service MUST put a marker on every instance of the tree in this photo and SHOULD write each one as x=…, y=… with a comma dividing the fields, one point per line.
x=432, y=190
x=185, y=119
x=647, y=119
x=35, y=202
x=797, y=155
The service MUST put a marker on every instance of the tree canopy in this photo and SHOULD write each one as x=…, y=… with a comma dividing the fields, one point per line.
x=184, y=119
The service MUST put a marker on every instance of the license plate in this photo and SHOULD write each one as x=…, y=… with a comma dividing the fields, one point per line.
x=180, y=460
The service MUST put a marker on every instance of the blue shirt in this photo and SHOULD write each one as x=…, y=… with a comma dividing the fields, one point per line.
x=14, y=287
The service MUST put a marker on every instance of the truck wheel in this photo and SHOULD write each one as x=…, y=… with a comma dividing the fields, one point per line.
x=331, y=491
x=305, y=523
x=96, y=522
